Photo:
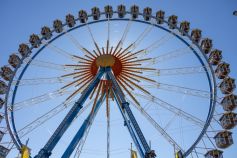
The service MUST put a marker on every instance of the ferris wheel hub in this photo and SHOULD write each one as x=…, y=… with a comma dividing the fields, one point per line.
x=105, y=60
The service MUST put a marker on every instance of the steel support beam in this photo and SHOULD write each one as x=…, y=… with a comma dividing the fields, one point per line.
x=79, y=135
x=125, y=105
x=45, y=152
x=130, y=129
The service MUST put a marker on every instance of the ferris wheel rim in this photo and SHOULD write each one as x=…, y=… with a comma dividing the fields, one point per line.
x=210, y=75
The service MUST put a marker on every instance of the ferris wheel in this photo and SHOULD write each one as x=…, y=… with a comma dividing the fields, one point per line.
x=99, y=81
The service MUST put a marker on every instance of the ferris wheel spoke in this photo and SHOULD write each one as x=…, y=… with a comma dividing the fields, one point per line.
x=85, y=81
x=205, y=146
x=90, y=32
x=157, y=127
x=83, y=60
x=170, y=122
x=95, y=89
x=125, y=51
x=136, y=43
x=94, y=41
x=119, y=45
x=103, y=50
x=80, y=89
x=165, y=57
x=178, y=71
x=179, y=89
x=138, y=77
x=154, y=45
x=143, y=35
x=126, y=75
x=7, y=143
x=4, y=129
x=48, y=65
x=128, y=92
x=47, y=116
x=208, y=146
x=90, y=54
x=77, y=73
x=85, y=74
x=133, y=71
x=78, y=45
x=125, y=33
x=37, y=100
x=198, y=153
x=77, y=66
x=170, y=55
x=38, y=81
x=79, y=80
x=58, y=50
x=30, y=127
x=173, y=109
x=131, y=56
x=159, y=42
x=108, y=36
x=99, y=91
x=85, y=84
x=137, y=61
x=134, y=84
x=121, y=80
x=140, y=69
x=73, y=95
x=208, y=137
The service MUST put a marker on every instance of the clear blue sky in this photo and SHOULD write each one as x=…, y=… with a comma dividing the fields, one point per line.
x=19, y=19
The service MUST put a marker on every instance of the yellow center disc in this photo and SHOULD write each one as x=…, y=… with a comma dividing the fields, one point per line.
x=105, y=60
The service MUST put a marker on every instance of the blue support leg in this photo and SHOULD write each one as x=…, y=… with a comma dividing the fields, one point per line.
x=148, y=152
x=46, y=151
x=130, y=129
x=79, y=135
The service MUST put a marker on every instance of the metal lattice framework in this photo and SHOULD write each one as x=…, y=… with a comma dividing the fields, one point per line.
x=124, y=75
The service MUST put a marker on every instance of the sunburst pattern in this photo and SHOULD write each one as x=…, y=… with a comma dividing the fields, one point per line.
x=125, y=64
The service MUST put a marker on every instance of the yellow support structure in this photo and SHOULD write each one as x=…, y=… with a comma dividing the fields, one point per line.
x=133, y=154
x=179, y=154
x=25, y=152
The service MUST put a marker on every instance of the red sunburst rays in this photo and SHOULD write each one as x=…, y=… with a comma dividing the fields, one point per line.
x=125, y=64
